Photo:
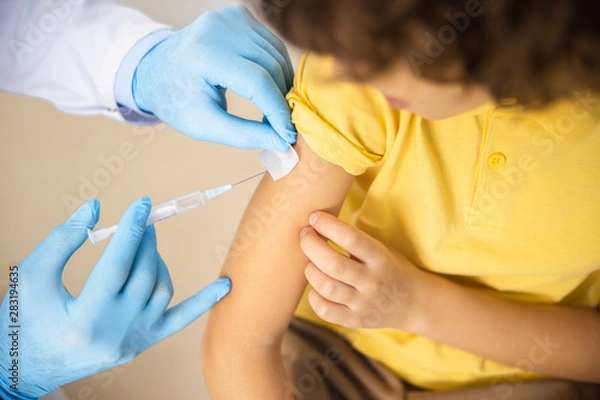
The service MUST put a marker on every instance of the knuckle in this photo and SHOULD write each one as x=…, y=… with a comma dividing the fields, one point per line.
x=277, y=43
x=335, y=268
x=205, y=18
x=351, y=238
x=349, y=297
x=370, y=287
x=323, y=310
x=328, y=288
x=240, y=9
x=381, y=255
x=269, y=63
x=164, y=292
x=318, y=305
x=228, y=12
x=277, y=68
x=144, y=281
x=205, y=27
x=379, y=258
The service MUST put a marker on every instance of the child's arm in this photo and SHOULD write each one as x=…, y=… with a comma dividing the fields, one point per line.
x=241, y=347
x=555, y=340
x=379, y=288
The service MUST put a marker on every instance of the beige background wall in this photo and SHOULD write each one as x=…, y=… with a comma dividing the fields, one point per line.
x=44, y=157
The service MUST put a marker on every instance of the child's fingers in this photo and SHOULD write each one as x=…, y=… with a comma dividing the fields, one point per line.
x=329, y=288
x=330, y=311
x=329, y=261
x=351, y=239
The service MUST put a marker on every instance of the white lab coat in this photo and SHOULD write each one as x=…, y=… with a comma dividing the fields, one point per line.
x=68, y=51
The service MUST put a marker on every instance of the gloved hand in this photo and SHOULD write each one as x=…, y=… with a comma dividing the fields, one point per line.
x=183, y=81
x=120, y=312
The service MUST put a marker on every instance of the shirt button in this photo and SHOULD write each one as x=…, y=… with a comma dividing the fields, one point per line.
x=496, y=160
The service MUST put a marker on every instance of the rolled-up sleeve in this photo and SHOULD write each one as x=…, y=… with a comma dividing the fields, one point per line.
x=346, y=124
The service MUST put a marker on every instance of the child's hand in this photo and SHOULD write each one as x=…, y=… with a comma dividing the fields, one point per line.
x=372, y=288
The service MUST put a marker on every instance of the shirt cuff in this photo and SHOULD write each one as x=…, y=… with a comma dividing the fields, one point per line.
x=124, y=78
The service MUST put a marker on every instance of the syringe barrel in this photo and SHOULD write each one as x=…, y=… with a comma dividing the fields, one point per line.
x=158, y=213
x=176, y=206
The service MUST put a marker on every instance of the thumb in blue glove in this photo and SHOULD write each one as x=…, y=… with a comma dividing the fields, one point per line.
x=54, y=338
x=183, y=81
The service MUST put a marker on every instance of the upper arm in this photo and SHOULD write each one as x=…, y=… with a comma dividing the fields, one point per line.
x=265, y=263
x=342, y=136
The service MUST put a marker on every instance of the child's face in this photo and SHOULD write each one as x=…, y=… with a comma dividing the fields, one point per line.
x=431, y=100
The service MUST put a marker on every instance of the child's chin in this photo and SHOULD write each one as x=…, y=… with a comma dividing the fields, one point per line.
x=435, y=115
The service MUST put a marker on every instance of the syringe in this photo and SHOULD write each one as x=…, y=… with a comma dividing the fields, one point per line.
x=171, y=208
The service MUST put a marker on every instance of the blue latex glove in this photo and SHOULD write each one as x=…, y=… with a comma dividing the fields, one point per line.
x=121, y=311
x=183, y=80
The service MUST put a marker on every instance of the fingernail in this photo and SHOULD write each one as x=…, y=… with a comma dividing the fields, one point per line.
x=313, y=218
x=304, y=231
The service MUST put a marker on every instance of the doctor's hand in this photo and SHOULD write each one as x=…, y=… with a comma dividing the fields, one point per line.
x=184, y=78
x=371, y=287
x=121, y=311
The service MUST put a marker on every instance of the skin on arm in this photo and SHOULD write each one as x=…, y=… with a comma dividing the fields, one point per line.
x=554, y=340
x=241, y=347
x=380, y=288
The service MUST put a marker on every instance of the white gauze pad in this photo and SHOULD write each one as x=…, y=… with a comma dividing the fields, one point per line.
x=279, y=163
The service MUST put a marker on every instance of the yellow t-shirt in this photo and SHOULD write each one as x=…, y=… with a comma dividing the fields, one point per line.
x=498, y=199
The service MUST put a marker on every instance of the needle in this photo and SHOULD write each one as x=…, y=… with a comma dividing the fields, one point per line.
x=247, y=179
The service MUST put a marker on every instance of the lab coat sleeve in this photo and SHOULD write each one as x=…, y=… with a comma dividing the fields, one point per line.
x=126, y=73
x=69, y=52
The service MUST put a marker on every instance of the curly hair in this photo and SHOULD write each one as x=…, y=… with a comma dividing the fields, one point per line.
x=535, y=51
